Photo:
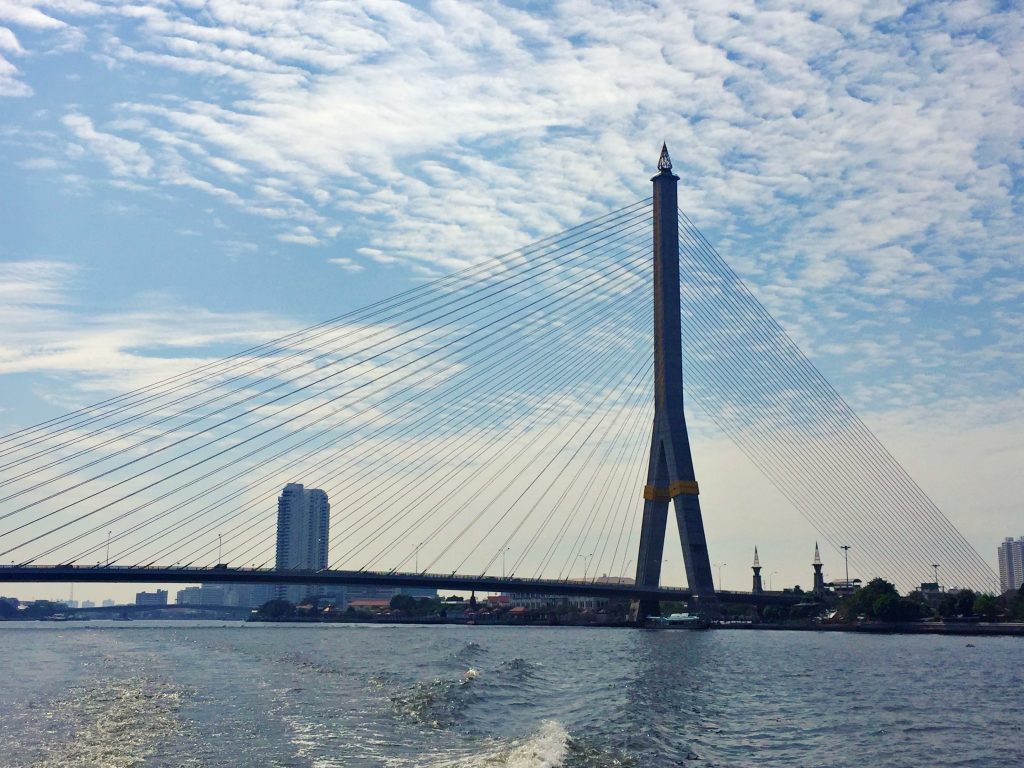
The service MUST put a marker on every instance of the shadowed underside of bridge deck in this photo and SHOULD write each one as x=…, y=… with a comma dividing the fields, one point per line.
x=497, y=420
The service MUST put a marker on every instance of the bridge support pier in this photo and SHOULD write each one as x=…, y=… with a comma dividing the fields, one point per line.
x=670, y=474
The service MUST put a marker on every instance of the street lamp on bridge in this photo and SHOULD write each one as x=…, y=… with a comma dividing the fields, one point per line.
x=720, y=567
x=586, y=563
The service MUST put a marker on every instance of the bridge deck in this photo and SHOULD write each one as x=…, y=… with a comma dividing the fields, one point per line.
x=187, y=575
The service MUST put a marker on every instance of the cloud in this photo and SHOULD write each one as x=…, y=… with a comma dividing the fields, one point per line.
x=122, y=156
x=8, y=42
x=24, y=14
x=347, y=264
x=10, y=85
x=299, y=235
x=34, y=283
x=44, y=331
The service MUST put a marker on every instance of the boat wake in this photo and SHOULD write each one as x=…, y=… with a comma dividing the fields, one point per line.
x=118, y=723
x=437, y=703
x=547, y=748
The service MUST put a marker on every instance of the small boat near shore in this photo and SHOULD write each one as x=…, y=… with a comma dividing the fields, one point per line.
x=679, y=621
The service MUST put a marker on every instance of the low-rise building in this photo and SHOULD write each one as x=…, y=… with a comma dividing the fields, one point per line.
x=370, y=603
x=189, y=596
x=151, y=598
x=537, y=601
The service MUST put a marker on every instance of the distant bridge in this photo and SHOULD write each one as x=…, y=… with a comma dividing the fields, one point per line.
x=162, y=574
x=98, y=610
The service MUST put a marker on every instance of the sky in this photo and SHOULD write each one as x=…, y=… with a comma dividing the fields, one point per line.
x=179, y=180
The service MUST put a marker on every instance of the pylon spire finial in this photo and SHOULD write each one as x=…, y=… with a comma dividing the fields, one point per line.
x=756, y=561
x=664, y=162
x=817, y=556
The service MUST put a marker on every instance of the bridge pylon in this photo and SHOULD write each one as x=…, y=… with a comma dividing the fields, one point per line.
x=670, y=474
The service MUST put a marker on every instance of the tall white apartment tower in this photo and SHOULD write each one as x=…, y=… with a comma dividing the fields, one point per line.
x=303, y=518
x=1011, y=563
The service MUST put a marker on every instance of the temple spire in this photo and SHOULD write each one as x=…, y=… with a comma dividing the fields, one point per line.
x=819, y=578
x=664, y=161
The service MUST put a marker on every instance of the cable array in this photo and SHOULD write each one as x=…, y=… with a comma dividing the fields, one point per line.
x=420, y=416
x=752, y=380
x=496, y=420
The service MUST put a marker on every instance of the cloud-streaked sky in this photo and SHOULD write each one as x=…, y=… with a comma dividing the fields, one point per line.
x=181, y=179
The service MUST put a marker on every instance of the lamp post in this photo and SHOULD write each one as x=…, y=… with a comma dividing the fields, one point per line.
x=935, y=567
x=417, y=554
x=108, y=547
x=846, y=561
x=625, y=570
x=586, y=563
x=720, y=567
x=506, y=549
x=220, y=548
x=770, y=580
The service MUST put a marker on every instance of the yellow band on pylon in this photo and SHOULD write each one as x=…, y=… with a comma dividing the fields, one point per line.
x=679, y=488
x=652, y=493
x=688, y=487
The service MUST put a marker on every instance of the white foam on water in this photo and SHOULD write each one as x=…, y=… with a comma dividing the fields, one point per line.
x=546, y=748
x=116, y=724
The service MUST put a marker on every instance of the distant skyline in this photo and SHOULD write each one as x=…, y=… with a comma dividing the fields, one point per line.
x=182, y=180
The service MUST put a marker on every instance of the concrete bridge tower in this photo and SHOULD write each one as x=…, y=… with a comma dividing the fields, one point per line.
x=670, y=474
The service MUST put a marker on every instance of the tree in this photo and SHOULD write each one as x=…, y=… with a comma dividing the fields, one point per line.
x=404, y=603
x=275, y=609
x=864, y=599
x=947, y=606
x=1017, y=605
x=965, y=602
x=890, y=608
x=987, y=606
x=8, y=610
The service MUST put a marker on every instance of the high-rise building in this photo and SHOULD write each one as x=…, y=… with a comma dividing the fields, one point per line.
x=1011, y=563
x=303, y=520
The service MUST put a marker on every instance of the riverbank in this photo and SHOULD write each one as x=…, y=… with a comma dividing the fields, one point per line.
x=970, y=629
x=884, y=628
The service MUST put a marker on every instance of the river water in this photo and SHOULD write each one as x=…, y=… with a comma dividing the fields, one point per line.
x=213, y=694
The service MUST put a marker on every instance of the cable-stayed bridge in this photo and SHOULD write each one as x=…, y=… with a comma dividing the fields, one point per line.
x=521, y=417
